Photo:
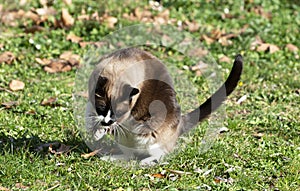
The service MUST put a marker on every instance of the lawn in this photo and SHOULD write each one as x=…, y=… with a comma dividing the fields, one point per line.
x=43, y=43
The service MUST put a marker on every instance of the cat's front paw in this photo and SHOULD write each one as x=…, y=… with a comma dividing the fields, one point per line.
x=150, y=161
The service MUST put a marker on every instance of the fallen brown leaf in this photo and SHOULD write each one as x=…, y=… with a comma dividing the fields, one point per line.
x=31, y=112
x=273, y=48
x=7, y=57
x=225, y=59
x=200, y=66
x=58, y=65
x=267, y=47
x=258, y=135
x=292, y=47
x=3, y=188
x=73, y=38
x=263, y=47
x=256, y=42
x=32, y=16
x=219, y=180
x=43, y=2
x=52, y=102
x=192, y=26
x=88, y=155
x=158, y=175
x=68, y=2
x=67, y=19
x=73, y=59
x=111, y=21
x=225, y=41
x=207, y=39
x=21, y=186
x=165, y=14
x=16, y=85
x=197, y=52
x=83, y=15
x=260, y=11
x=217, y=33
x=43, y=61
x=9, y=104
x=33, y=29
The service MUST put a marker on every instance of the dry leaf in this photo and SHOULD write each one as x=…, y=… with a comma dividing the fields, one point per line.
x=225, y=59
x=158, y=175
x=207, y=39
x=32, y=16
x=33, y=29
x=81, y=94
x=138, y=13
x=58, y=65
x=200, y=66
x=43, y=61
x=73, y=59
x=217, y=33
x=256, y=42
x=197, y=52
x=7, y=57
x=292, y=47
x=22, y=2
x=68, y=2
x=43, y=2
x=67, y=19
x=263, y=47
x=88, y=155
x=3, y=188
x=21, y=186
x=73, y=38
x=52, y=102
x=258, y=135
x=219, y=180
x=260, y=11
x=273, y=48
x=16, y=85
x=224, y=41
x=9, y=104
x=30, y=112
x=111, y=21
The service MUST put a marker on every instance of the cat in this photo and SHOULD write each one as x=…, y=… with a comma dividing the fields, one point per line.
x=131, y=98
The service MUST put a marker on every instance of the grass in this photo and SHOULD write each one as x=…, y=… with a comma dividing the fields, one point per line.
x=260, y=152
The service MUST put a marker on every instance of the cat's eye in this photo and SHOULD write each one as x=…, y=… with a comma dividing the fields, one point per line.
x=101, y=107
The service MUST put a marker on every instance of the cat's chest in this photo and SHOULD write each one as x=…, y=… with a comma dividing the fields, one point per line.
x=136, y=141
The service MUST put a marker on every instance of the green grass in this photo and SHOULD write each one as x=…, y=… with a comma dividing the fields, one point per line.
x=270, y=81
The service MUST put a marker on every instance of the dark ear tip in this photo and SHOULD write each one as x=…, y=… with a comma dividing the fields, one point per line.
x=238, y=58
x=134, y=91
x=102, y=78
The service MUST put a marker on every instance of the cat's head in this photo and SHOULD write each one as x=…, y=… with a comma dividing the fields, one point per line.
x=112, y=101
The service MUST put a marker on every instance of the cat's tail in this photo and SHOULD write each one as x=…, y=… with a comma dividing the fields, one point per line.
x=191, y=119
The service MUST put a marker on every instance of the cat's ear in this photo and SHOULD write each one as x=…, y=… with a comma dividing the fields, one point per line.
x=99, y=89
x=134, y=92
x=101, y=81
x=130, y=91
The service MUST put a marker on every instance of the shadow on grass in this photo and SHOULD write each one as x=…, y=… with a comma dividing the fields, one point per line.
x=40, y=147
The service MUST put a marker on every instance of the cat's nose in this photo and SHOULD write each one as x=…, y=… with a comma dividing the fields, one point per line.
x=108, y=123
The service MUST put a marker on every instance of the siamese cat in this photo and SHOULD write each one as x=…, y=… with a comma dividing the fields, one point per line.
x=131, y=98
